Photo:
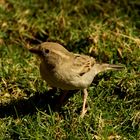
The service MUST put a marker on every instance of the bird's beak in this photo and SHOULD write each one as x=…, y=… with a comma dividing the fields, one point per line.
x=36, y=50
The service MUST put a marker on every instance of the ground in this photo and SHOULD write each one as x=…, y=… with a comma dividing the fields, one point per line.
x=107, y=30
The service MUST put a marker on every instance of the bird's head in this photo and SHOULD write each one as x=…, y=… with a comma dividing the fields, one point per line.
x=50, y=52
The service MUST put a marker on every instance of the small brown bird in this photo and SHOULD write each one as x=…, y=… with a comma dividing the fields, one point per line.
x=68, y=71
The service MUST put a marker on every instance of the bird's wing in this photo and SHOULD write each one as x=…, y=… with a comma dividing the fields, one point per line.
x=82, y=64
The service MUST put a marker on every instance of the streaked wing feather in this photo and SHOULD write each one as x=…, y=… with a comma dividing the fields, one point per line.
x=82, y=64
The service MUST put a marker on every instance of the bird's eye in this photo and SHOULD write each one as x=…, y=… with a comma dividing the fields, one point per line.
x=46, y=51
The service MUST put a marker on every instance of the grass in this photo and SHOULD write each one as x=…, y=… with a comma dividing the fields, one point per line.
x=107, y=30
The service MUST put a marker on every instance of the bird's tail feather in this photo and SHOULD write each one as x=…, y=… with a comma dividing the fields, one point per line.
x=105, y=67
x=115, y=67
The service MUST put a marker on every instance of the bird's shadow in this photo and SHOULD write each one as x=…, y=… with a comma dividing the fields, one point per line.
x=40, y=101
x=44, y=101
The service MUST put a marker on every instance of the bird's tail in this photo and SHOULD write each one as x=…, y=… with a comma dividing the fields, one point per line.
x=105, y=67
x=113, y=67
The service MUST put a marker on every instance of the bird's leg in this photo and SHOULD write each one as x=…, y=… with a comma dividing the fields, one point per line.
x=84, y=110
x=62, y=97
x=59, y=101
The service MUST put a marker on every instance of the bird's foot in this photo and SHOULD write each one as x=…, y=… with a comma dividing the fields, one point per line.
x=83, y=113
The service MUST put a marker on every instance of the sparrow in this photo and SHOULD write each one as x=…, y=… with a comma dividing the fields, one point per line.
x=69, y=71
